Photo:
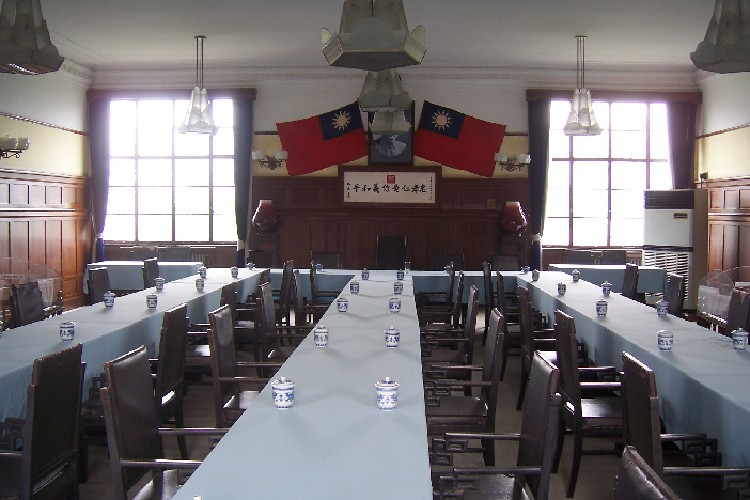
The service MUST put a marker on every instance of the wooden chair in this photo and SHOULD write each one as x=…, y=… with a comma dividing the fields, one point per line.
x=675, y=294
x=586, y=417
x=320, y=300
x=329, y=260
x=98, y=282
x=431, y=304
x=637, y=480
x=27, y=303
x=280, y=341
x=738, y=315
x=447, y=325
x=284, y=295
x=390, y=252
x=536, y=445
x=47, y=466
x=512, y=328
x=630, y=282
x=533, y=340
x=150, y=272
x=133, y=433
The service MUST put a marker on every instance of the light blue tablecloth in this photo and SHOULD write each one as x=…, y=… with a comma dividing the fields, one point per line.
x=128, y=274
x=334, y=443
x=651, y=279
x=701, y=381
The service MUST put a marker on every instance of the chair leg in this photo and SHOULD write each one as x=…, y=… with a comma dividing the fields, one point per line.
x=559, y=446
x=504, y=360
x=488, y=446
x=522, y=388
x=179, y=421
x=578, y=444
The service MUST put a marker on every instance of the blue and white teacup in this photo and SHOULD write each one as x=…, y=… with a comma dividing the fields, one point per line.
x=159, y=284
x=392, y=337
x=151, y=300
x=67, y=331
x=250, y=266
x=525, y=270
x=576, y=275
x=109, y=299
x=739, y=339
x=343, y=304
x=365, y=275
x=318, y=266
x=601, y=307
x=202, y=272
x=398, y=287
x=665, y=339
x=394, y=304
x=400, y=274
x=535, y=275
x=199, y=284
x=606, y=288
x=407, y=267
x=234, y=271
x=561, y=288
x=354, y=287
x=283, y=393
x=320, y=335
x=387, y=393
x=662, y=308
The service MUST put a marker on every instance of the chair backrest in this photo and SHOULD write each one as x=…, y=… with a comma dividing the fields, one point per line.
x=641, y=411
x=298, y=301
x=613, y=257
x=489, y=292
x=540, y=424
x=505, y=262
x=150, y=272
x=567, y=360
x=329, y=260
x=526, y=327
x=390, y=252
x=630, y=281
x=491, y=371
x=315, y=297
x=131, y=416
x=142, y=253
x=170, y=372
x=223, y=359
x=285, y=292
x=441, y=260
x=53, y=408
x=458, y=301
x=27, y=302
x=229, y=297
x=470, y=322
x=98, y=284
x=739, y=311
x=578, y=256
x=500, y=285
x=451, y=270
x=675, y=293
x=636, y=479
x=175, y=254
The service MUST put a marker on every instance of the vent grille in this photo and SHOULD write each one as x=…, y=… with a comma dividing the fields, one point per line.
x=675, y=199
x=672, y=262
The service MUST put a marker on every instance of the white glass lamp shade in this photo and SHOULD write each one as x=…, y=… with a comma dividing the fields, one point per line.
x=581, y=120
x=726, y=46
x=258, y=155
x=281, y=155
x=199, y=117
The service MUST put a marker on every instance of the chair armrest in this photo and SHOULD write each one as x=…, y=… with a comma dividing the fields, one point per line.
x=258, y=380
x=545, y=344
x=258, y=364
x=193, y=431
x=162, y=463
x=600, y=385
x=438, y=367
x=443, y=447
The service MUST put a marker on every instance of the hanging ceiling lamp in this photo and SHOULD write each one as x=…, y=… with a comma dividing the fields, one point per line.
x=25, y=45
x=581, y=120
x=726, y=46
x=199, y=118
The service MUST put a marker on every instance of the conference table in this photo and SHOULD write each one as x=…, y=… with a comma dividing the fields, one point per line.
x=127, y=275
x=334, y=442
x=701, y=381
x=651, y=279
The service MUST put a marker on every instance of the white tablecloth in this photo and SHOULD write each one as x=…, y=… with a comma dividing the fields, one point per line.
x=128, y=274
x=651, y=279
x=701, y=381
x=334, y=443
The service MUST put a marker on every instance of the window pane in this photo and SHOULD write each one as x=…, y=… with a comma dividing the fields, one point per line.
x=559, y=144
x=154, y=227
x=589, y=232
x=191, y=227
x=155, y=172
x=191, y=200
x=601, y=112
x=122, y=172
x=122, y=142
x=225, y=228
x=629, y=144
x=590, y=175
x=121, y=114
x=627, y=204
x=627, y=232
x=661, y=176
x=590, y=203
x=224, y=200
x=224, y=142
x=190, y=144
x=628, y=116
x=154, y=113
x=154, y=200
x=119, y=227
x=628, y=175
x=558, y=114
x=223, y=172
x=555, y=232
x=120, y=200
x=191, y=172
x=593, y=146
x=557, y=203
x=223, y=112
x=154, y=141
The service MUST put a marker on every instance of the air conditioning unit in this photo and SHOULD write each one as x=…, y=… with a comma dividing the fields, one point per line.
x=675, y=235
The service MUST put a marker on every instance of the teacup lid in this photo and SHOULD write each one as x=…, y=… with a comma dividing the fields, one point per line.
x=601, y=302
x=393, y=330
x=607, y=283
x=321, y=328
x=151, y=296
x=740, y=332
x=233, y=267
x=387, y=382
x=355, y=282
x=398, y=283
x=576, y=271
x=343, y=299
x=202, y=267
x=561, y=284
x=109, y=292
x=395, y=299
x=665, y=332
x=67, y=323
x=251, y=264
x=282, y=382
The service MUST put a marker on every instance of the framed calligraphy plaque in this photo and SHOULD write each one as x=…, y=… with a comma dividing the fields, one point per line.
x=393, y=186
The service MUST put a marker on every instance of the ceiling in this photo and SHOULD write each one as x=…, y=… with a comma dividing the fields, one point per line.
x=107, y=34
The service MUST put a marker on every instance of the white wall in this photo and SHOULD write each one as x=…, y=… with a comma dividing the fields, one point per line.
x=726, y=102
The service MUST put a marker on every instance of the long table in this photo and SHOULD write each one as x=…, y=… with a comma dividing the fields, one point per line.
x=701, y=381
x=127, y=275
x=104, y=333
x=334, y=443
x=651, y=279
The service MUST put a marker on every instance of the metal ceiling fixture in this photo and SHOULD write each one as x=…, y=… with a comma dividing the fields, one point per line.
x=25, y=45
x=581, y=120
x=199, y=118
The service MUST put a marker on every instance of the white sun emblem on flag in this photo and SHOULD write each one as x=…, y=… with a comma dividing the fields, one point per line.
x=341, y=120
x=441, y=119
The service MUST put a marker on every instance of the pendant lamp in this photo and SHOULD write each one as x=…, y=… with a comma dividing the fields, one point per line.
x=199, y=118
x=581, y=120
x=25, y=45
x=726, y=46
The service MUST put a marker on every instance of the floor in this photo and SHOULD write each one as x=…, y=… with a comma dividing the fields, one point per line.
x=595, y=482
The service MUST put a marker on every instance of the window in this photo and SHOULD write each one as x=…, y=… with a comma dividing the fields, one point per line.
x=165, y=186
x=595, y=183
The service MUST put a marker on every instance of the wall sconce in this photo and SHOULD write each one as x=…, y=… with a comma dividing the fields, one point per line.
x=13, y=146
x=270, y=162
x=511, y=164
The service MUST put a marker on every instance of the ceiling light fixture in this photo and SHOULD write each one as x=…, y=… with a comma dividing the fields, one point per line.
x=511, y=164
x=726, y=46
x=13, y=146
x=581, y=120
x=270, y=162
x=25, y=45
x=199, y=118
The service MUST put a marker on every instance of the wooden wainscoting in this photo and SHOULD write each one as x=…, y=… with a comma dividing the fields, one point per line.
x=44, y=219
x=728, y=223
x=312, y=216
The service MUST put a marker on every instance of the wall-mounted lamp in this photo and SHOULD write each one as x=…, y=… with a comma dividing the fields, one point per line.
x=270, y=162
x=13, y=146
x=511, y=164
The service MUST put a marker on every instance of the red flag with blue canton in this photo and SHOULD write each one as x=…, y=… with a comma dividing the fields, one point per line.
x=323, y=140
x=457, y=140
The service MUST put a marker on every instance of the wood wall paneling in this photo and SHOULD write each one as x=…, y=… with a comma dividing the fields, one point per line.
x=729, y=223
